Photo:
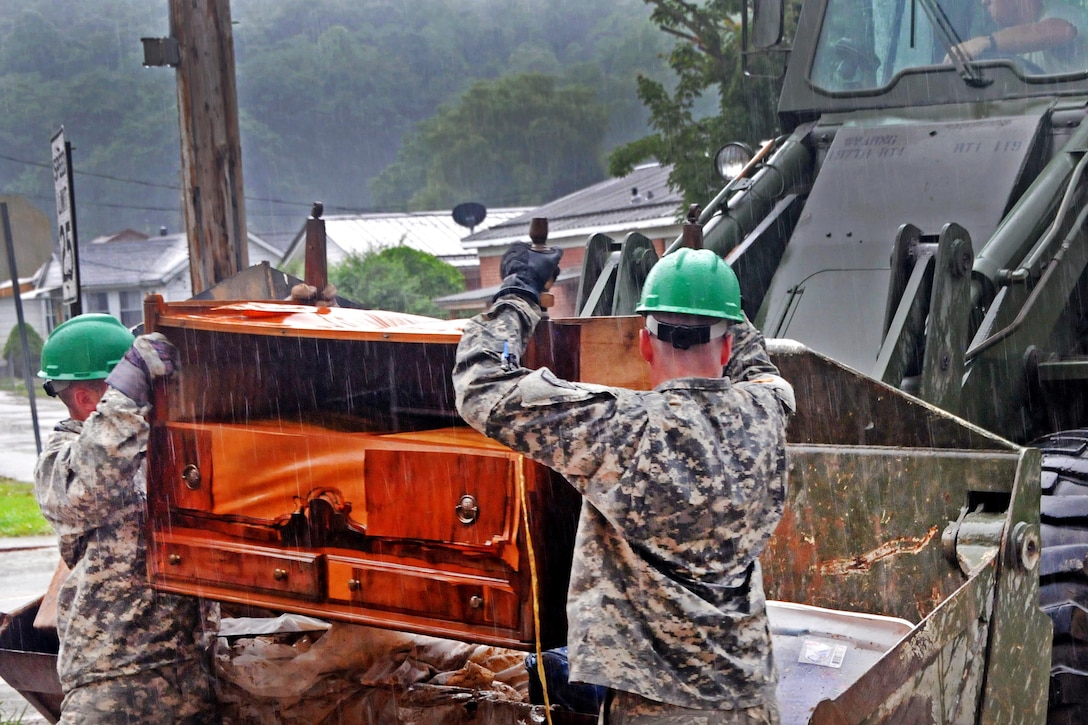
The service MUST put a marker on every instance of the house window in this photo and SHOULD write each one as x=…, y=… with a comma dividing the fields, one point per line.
x=97, y=302
x=132, y=309
x=52, y=312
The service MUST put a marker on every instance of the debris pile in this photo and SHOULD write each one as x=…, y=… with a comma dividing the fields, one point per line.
x=296, y=670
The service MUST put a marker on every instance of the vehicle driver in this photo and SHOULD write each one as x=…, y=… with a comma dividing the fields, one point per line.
x=1047, y=33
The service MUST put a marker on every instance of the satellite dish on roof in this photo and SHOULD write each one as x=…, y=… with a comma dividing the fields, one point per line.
x=469, y=214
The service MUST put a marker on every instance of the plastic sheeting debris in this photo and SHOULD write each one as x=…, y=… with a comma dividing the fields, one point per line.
x=283, y=624
x=357, y=674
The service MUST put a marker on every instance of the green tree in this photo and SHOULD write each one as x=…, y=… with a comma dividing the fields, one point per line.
x=327, y=92
x=13, y=349
x=398, y=279
x=705, y=59
x=521, y=139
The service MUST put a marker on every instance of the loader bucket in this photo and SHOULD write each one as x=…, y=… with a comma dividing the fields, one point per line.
x=900, y=512
x=28, y=660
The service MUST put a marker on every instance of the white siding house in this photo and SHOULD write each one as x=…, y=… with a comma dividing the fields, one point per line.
x=116, y=273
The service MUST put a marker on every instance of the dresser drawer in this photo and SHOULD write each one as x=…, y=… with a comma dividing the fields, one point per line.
x=465, y=498
x=433, y=593
x=183, y=468
x=263, y=470
x=212, y=562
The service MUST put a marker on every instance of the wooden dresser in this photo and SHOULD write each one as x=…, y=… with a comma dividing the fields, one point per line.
x=313, y=461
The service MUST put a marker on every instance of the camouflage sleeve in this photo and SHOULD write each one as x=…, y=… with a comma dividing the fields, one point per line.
x=749, y=359
x=83, y=476
x=531, y=411
x=488, y=361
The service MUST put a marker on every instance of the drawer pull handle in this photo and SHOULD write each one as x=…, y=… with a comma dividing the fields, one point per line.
x=354, y=585
x=174, y=559
x=467, y=510
x=191, y=476
x=279, y=574
x=475, y=601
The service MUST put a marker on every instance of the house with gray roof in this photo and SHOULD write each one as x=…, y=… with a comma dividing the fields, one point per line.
x=640, y=202
x=118, y=271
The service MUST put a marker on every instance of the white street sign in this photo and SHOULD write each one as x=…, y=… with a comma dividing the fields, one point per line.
x=62, y=175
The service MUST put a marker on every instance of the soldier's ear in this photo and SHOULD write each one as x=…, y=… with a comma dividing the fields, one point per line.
x=727, y=349
x=645, y=345
x=85, y=401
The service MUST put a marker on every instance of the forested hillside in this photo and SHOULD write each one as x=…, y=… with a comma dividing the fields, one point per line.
x=329, y=90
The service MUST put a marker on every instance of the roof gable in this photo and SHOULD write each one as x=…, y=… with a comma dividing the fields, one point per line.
x=115, y=263
x=132, y=263
x=125, y=235
x=639, y=199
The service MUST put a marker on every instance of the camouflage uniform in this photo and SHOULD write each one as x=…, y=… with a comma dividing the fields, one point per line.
x=128, y=654
x=682, y=486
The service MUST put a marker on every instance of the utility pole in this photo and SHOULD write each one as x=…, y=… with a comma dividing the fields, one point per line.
x=211, y=149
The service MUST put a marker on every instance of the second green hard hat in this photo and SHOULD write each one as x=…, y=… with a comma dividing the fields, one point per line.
x=86, y=347
x=692, y=282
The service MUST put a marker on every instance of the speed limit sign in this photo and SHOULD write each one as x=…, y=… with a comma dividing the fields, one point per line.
x=62, y=185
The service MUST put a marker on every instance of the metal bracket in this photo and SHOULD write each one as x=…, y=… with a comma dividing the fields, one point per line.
x=974, y=539
x=160, y=52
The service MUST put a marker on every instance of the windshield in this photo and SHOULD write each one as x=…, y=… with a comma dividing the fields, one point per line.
x=863, y=44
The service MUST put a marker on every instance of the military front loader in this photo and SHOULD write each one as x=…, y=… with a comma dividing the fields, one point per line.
x=922, y=221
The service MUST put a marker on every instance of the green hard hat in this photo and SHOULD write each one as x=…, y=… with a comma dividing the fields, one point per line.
x=692, y=282
x=86, y=347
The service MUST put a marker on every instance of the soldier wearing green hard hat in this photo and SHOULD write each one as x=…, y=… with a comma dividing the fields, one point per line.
x=682, y=486
x=689, y=298
x=126, y=652
x=87, y=347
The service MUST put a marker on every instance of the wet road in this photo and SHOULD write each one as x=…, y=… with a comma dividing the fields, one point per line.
x=19, y=451
x=26, y=564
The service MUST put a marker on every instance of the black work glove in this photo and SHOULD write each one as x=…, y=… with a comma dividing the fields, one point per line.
x=527, y=272
x=151, y=356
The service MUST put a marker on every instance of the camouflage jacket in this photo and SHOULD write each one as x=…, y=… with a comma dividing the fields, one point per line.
x=682, y=486
x=91, y=486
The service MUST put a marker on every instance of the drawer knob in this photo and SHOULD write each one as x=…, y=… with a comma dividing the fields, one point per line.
x=279, y=574
x=467, y=510
x=475, y=601
x=174, y=559
x=191, y=476
x=354, y=585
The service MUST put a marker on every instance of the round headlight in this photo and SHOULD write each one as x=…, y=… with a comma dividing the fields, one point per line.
x=731, y=158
